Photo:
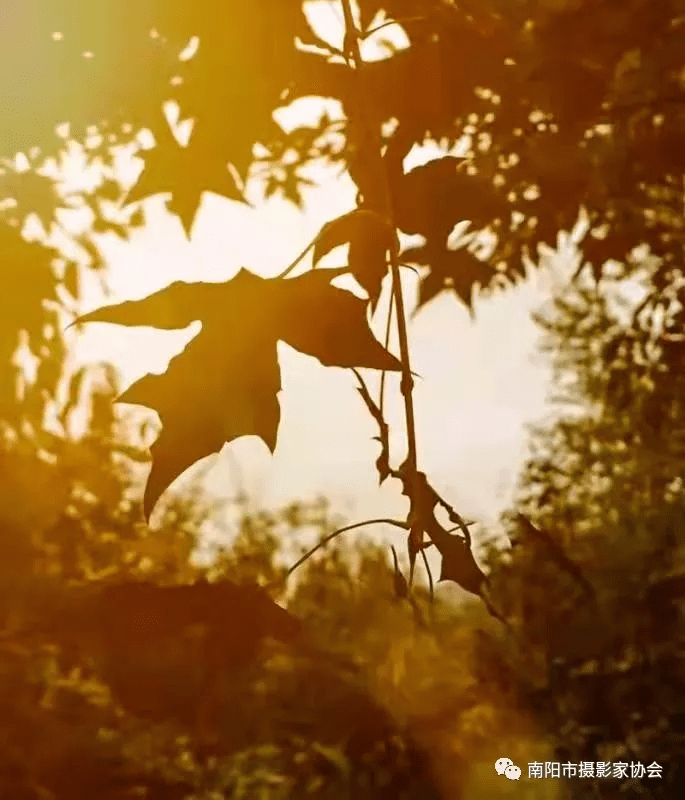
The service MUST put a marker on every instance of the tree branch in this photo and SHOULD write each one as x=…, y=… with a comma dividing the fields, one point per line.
x=383, y=521
x=373, y=138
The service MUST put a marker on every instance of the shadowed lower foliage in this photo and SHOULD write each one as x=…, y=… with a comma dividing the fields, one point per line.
x=154, y=681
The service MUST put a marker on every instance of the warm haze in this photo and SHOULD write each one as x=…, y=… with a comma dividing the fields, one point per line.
x=481, y=381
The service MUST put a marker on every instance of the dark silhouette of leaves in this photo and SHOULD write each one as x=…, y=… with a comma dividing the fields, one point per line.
x=185, y=173
x=342, y=230
x=432, y=198
x=31, y=193
x=71, y=278
x=561, y=108
x=370, y=237
x=458, y=270
x=229, y=375
x=458, y=563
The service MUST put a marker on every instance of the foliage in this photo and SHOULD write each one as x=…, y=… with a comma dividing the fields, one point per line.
x=546, y=134
x=594, y=588
x=127, y=669
x=239, y=397
x=565, y=104
x=139, y=681
x=558, y=106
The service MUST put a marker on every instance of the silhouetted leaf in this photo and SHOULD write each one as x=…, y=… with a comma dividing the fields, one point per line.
x=70, y=278
x=456, y=270
x=185, y=173
x=370, y=237
x=430, y=286
x=32, y=193
x=74, y=394
x=172, y=308
x=458, y=563
x=383, y=460
x=430, y=199
x=225, y=383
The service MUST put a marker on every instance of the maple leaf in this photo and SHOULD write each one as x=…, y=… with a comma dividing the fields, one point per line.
x=458, y=563
x=32, y=193
x=370, y=237
x=456, y=270
x=430, y=199
x=225, y=383
x=185, y=173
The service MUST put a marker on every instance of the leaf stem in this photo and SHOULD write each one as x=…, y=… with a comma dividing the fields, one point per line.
x=352, y=37
x=397, y=523
x=388, y=326
x=297, y=260
x=387, y=23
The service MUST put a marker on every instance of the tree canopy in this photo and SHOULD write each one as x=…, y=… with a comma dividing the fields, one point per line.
x=564, y=104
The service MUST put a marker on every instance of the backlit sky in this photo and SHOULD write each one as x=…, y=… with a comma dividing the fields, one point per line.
x=481, y=381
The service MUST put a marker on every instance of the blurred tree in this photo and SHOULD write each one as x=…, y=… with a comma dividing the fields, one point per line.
x=595, y=582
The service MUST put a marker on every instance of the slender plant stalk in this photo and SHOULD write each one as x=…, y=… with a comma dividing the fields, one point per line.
x=387, y=23
x=383, y=521
x=386, y=342
x=352, y=37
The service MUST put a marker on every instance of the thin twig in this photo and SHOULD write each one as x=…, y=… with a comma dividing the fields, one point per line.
x=383, y=521
x=429, y=573
x=383, y=461
x=293, y=264
x=299, y=258
x=388, y=325
x=389, y=22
